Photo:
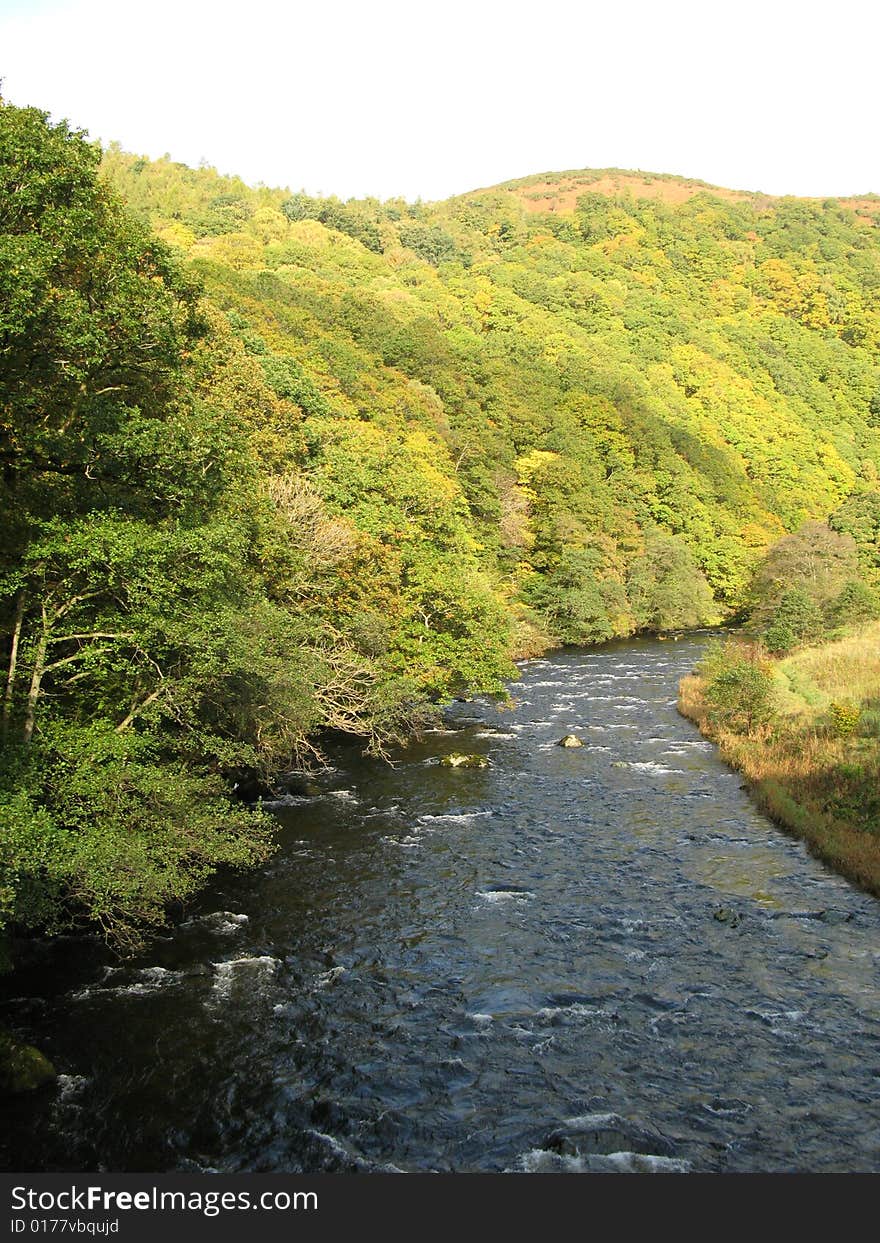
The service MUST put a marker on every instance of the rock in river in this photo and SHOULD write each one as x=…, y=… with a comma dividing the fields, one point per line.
x=22, y=1068
x=457, y=760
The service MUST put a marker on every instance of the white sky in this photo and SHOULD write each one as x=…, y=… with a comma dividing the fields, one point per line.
x=403, y=97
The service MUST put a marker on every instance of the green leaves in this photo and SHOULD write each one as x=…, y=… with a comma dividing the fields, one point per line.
x=666, y=588
x=103, y=827
x=740, y=691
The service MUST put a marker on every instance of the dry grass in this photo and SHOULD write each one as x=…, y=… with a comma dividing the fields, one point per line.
x=562, y=196
x=824, y=789
x=847, y=670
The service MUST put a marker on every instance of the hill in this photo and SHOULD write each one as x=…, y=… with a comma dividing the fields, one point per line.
x=596, y=359
x=559, y=192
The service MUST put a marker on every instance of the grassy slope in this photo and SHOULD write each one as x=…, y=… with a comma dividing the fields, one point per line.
x=559, y=192
x=824, y=788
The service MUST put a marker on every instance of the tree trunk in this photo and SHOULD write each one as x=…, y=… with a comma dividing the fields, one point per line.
x=36, y=681
x=13, y=661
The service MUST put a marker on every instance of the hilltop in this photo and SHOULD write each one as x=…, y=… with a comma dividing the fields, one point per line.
x=559, y=192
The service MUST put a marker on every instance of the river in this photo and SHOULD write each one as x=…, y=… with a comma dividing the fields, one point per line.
x=592, y=959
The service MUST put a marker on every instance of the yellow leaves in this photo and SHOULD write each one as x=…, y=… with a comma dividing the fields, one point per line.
x=648, y=279
x=630, y=240
x=236, y=250
x=178, y=235
x=557, y=345
x=268, y=225
x=481, y=300
x=780, y=281
x=310, y=233
x=539, y=241
x=800, y=295
x=728, y=297
x=402, y=302
x=433, y=463
x=533, y=463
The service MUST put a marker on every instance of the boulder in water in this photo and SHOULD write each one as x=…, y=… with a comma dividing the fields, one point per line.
x=22, y=1067
x=299, y=785
x=836, y=917
x=457, y=760
x=606, y=1134
x=570, y=740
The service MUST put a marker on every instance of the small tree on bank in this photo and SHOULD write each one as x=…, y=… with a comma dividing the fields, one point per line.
x=740, y=692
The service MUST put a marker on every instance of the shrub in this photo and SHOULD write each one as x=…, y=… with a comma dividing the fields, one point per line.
x=855, y=604
x=845, y=719
x=741, y=694
x=796, y=619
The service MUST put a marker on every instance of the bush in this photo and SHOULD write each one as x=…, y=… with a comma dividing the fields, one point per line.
x=796, y=619
x=855, y=604
x=741, y=694
x=844, y=718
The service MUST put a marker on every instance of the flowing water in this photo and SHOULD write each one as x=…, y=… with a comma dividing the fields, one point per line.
x=591, y=959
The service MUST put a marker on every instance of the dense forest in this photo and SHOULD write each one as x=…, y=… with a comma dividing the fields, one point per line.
x=275, y=465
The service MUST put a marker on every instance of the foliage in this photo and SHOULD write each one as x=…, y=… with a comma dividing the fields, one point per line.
x=810, y=565
x=806, y=584
x=181, y=605
x=859, y=517
x=699, y=369
x=579, y=603
x=817, y=769
x=103, y=826
x=844, y=718
x=855, y=604
x=796, y=619
x=666, y=588
x=740, y=692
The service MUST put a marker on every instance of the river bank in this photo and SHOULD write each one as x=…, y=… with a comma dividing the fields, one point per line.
x=814, y=766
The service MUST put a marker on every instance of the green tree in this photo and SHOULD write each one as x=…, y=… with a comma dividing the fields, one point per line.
x=815, y=560
x=796, y=619
x=855, y=604
x=741, y=693
x=859, y=517
x=126, y=586
x=580, y=603
x=666, y=588
x=94, y=326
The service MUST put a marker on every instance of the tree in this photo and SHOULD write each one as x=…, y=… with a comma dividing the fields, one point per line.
x=740, y=692
x=666, y=588
x=95, y=323
x=125, y=583
x=815, y=560
x=796, y=619
x=580, y=603
x=859, y=517
x=855, y=605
